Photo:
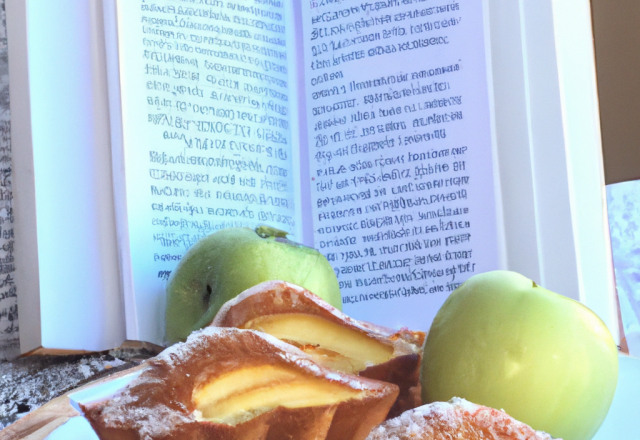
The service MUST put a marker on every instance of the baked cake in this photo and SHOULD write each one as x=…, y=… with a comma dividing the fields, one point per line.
x=456, y=419
x=334, y=340
x=231, y=384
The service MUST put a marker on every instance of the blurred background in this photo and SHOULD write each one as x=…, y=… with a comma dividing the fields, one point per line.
x=616, y=39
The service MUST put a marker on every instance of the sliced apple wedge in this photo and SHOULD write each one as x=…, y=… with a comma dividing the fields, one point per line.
x=334, y=340
x=324, y=339
x=233, y=384
x=242, y=394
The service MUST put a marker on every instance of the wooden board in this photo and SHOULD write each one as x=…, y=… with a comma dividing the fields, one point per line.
x=38, y=424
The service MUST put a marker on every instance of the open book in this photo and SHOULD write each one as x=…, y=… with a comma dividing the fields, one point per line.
x=365, y=129
x=362, y=129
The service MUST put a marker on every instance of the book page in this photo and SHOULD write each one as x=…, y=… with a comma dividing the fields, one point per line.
x=9, y=325
x=400, y=147
x=206, y=120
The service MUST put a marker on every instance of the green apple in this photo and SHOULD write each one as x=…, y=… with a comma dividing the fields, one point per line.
x=220, y=266
x=502, y=341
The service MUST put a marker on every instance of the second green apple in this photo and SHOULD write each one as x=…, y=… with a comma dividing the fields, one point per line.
x=502, y=341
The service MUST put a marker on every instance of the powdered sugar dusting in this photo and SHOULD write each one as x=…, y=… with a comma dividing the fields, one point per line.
x=178, y=353
x=151, y=423
x=457, y=418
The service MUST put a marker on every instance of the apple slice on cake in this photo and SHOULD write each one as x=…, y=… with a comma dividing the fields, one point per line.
x=232, y=384
x=334, y=340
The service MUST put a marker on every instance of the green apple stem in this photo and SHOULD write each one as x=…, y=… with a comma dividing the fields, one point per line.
x=265, y=231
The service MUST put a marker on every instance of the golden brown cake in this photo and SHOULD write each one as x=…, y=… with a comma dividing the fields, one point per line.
x=456, y=419
x=334, y=340
x=231, y=384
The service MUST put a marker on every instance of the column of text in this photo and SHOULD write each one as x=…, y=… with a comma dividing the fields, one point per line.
x=206, y=128
x=400, y=151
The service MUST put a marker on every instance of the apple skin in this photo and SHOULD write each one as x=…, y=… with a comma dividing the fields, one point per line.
x=224, y=264
x=502, y=341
